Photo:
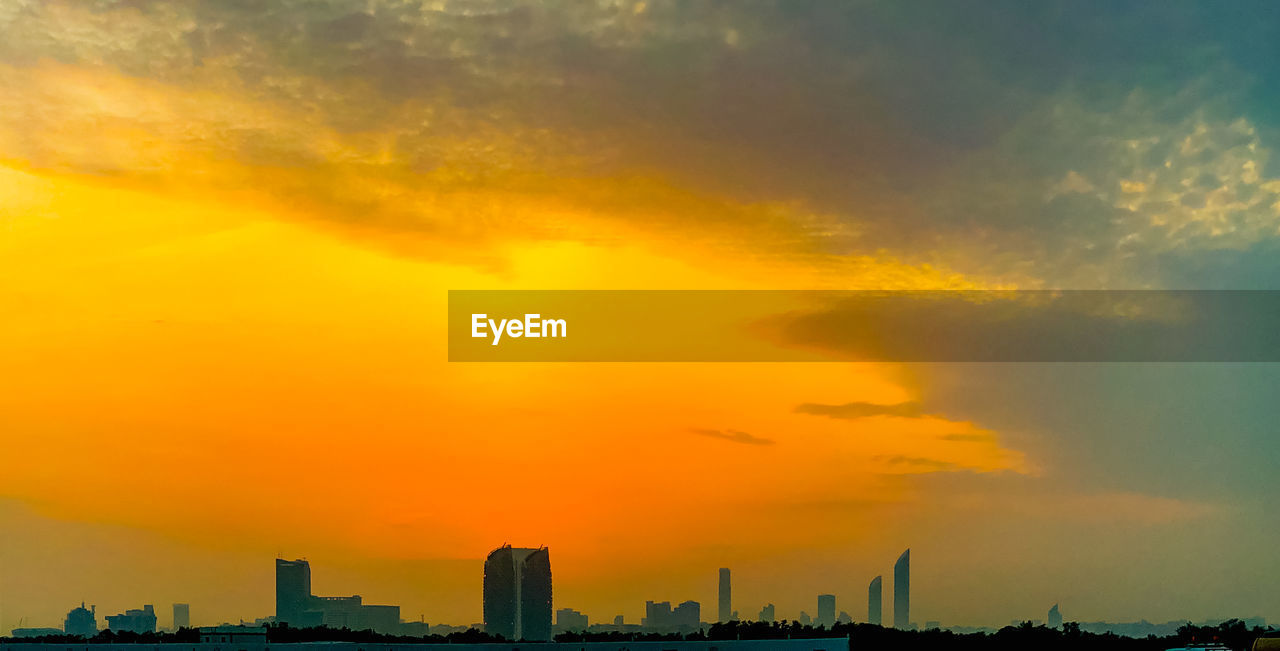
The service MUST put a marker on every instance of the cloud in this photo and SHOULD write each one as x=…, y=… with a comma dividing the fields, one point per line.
x=811, y=131
x=1030, y=326
x=900, y=439
x=918, y=464
x=852, y=410
x=733, y=436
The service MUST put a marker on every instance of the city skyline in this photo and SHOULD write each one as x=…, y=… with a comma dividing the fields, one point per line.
x=296, y=606
x=506, y=569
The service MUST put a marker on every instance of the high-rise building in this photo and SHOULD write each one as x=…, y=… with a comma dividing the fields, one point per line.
x=293, y=592
x=134, y=620
x=726, y=596
x=826, y=610
x=767, y=614
x=1055, y=617
x=902, y=591
x=875, y=601
x=81, y=621
x=181, y=616
x=517, y=593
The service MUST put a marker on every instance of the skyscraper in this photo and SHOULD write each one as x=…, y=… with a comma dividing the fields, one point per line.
x=517, y=593
x=1055, y=617
x=875, y=602
x=826, y=610
x=293, y=591
x=902, y=591
x=181, y=616
x=726, y=596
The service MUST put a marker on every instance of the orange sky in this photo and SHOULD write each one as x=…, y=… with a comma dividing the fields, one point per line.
x=255, y=384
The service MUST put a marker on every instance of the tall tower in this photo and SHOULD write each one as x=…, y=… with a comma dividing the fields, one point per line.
x=293, y=591
x=875, y=601
x=1055, y=617
x=902, y=591
x=181, y=616
x=726, y=596
x=826, y=610
x=517, y=593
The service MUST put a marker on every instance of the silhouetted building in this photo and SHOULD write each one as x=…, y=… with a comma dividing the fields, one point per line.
x=1055, y=617
x=902, y=591
x=660, y=617
x=29, y=632
x=82, y=621
x=517, y=593
x=656, y=614
x=293, y=592
x=181, y=616
x=568, y=619
x=844, y=618
x=805, y=619
x=297, y=607
x=134, y=620
x=932, y=624
x=419, y=628
x=875, y=601
x=826, y=610
x=726, y=596
x=351, y=612
x=768, y=614
x=688, y=615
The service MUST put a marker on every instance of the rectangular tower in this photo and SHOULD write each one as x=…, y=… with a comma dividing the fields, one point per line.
x=293, y=591
x=181, y=616
x=726, y=596
x=826, y=610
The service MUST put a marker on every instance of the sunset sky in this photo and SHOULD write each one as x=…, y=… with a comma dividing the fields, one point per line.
x=228, y=229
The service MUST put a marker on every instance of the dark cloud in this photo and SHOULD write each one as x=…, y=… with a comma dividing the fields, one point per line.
x=1038, y=326
x=733, y=436
x=918, y=464
x=853, y=410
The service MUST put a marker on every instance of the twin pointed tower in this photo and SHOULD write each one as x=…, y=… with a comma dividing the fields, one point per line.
x=901, y=595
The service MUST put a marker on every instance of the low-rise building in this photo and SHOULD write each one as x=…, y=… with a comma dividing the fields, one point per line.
x=134, y=620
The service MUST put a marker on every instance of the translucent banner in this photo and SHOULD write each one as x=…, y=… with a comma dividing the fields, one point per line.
x=864, y=326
